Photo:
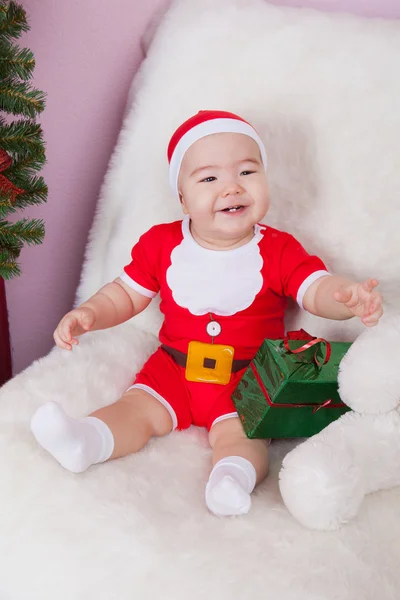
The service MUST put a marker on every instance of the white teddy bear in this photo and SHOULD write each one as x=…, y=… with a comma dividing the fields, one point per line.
x=323, y=481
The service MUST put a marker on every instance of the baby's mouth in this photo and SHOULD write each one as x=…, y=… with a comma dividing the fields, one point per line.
x=233, y=208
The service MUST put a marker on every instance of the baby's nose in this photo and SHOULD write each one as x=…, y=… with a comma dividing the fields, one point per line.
x=232, y=189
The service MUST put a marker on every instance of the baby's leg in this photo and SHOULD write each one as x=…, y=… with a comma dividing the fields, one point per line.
x=111, y=432
x=239, y=465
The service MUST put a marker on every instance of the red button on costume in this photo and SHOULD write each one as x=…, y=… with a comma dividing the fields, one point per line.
x=244, y=290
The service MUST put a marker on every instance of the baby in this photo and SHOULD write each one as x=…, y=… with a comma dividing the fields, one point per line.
x=223, y=280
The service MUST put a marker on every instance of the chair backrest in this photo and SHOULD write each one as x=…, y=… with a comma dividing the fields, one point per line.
x=324, y=93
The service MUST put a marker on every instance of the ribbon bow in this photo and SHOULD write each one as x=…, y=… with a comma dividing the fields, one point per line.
x=6, y=186
x=313, y=341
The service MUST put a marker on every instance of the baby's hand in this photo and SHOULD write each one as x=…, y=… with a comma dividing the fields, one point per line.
x=362, y=301
x=74, y=323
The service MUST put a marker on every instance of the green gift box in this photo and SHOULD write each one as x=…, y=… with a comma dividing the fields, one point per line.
x=290, y=388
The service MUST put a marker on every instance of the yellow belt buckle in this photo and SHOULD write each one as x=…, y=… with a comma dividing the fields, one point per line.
x=209, y=363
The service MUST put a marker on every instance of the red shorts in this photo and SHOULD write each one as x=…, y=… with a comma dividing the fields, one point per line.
x=188, y=402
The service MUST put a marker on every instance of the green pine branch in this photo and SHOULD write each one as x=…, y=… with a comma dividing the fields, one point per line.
x=6, y=205
x=13, y=249
x=20, y=98
x=35, y=192
x=12, y=20
x=21, y=139
x=32, y=196
x=9, y=267
x=6, y=211
x=26, y=231
x=25, y=136
x=15, y=61
x=25, y=165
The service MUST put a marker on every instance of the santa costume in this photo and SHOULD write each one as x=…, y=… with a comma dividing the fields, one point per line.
x=218, y=306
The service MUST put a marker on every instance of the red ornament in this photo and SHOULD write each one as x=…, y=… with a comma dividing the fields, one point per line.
x=5, y=184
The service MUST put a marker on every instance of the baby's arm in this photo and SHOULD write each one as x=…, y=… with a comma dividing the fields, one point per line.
x=335, y=297
x=113, y=304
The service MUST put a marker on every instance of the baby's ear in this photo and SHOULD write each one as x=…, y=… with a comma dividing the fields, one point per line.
x=183, y=203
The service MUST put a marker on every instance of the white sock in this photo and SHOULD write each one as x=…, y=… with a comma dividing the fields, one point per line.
x=75, y=444
x=229, y=486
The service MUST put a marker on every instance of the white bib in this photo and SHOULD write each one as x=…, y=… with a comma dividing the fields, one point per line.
x=223, y=282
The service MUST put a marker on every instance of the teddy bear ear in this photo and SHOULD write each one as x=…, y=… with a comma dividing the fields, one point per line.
x=369, y=374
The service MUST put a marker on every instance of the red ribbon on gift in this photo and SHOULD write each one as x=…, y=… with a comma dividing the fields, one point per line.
x=316, y=407
x=312, y=341
x=5, y=184
x=303, y=335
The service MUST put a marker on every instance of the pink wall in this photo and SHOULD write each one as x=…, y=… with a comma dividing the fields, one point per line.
x=86, y=55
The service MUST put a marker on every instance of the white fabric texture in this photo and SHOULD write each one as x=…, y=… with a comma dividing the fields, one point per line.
x=323, y=92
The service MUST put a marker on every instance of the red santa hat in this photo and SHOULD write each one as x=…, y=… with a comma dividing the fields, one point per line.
x=206, y=122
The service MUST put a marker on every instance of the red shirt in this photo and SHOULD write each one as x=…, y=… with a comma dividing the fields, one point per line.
x=244, y=318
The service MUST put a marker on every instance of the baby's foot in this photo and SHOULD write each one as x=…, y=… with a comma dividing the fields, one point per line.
x=75, y=444
x=227, y=497
x=229, y=486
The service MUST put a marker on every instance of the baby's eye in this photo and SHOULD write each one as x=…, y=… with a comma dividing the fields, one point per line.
x=208, y=179
x=247, y=172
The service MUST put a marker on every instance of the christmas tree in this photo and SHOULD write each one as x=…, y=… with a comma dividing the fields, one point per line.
x=22, y=152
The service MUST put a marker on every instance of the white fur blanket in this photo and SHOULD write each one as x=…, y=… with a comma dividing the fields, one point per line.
x=324, y=92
